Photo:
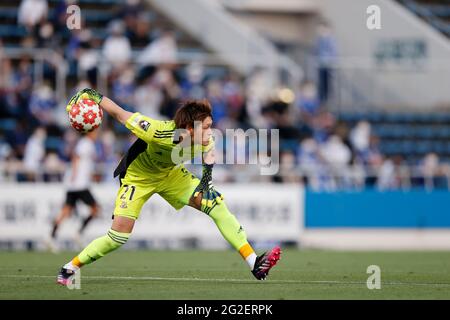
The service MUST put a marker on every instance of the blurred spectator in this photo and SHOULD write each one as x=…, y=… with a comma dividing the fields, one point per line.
x=307, y=101
x=70, y=139
x=360, y=137
x=59, y=16
x=335, y=152
x=326, y=55
x=32, y=12
x=313, y=166
x=128, y=13
x=215, y=97
x=170, y=90
x=139, y=33
x=15, y=86
x=373, y=155
x=29, y=41
x=117, y=48
x=124, y=89
x=162, y=50
x=365, y=145
x=9, y=104
x=131, y=8
x=148, y=98
x=435, y=174
x=5, y=148
x=430, y=165
x=337, y=156
x=322, y=125
x=88, y=61
x=76, y=39
x=46, y=37
x=257, y=88
x=53, y=168
x=233, y=93
x=18, y=137
x=107, y=154
x=287, y=166
x=34, y=154
x=386, y=176
x=137, y=22
x=42, y=104
x=192, y=84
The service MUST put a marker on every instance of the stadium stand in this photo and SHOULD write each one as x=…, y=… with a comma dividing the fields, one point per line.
x=29, y=100
x=435, y=12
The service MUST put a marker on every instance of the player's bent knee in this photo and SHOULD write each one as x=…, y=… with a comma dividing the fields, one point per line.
x=123, y=224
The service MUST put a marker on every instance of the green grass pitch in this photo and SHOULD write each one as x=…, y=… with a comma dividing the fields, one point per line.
x=310, y=274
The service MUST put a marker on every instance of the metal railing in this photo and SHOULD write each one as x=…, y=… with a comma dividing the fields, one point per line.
x=315, y=176
x=39, y=58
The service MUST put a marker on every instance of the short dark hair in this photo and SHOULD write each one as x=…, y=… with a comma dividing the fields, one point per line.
x=191, y=111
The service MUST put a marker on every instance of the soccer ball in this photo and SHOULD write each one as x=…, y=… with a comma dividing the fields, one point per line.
x=85, y=116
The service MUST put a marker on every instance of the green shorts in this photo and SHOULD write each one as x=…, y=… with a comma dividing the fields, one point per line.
x=176, y=188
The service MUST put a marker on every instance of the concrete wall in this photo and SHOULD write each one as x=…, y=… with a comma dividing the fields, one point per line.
x=423, y=83
x=286, y=27
x=235, y=43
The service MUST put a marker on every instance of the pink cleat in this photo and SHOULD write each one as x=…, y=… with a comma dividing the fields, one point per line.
x=65, y=276
x=265, y=262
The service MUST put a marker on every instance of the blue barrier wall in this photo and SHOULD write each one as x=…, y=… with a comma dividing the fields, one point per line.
x=374, y=209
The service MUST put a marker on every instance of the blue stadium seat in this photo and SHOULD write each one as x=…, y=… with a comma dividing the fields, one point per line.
x=53, y=143
x=97, y=15
x=8, y=124
x=8, y=13
x=12, y=31
x=438, y=10
x=289, y=145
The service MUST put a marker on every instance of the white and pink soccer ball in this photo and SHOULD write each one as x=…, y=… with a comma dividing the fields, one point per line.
x=85, y=116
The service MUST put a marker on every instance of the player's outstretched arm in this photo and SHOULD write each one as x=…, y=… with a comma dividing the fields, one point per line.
x=115, y=110
x=107, y=104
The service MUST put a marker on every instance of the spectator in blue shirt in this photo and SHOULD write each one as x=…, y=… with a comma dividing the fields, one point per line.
x=326, y=55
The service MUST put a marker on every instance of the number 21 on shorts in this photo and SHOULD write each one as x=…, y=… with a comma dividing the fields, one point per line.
x=127, y=188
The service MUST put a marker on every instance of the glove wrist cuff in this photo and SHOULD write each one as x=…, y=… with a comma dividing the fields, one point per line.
x=208, y=166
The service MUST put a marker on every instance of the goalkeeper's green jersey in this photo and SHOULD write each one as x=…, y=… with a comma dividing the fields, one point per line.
x=154, y=153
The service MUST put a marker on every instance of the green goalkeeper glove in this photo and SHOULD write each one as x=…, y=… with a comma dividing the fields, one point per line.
x=86, y=93
x=209, y=193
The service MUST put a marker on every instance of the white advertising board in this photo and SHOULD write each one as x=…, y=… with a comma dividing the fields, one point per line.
x=268, y=212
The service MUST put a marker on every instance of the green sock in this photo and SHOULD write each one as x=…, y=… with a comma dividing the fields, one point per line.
x=100, y=247
x=228, y=225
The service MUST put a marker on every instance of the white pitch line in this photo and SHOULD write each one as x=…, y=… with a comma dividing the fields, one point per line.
x=394, y=283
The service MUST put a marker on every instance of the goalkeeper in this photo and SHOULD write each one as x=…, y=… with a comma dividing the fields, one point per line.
x=148, y=168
